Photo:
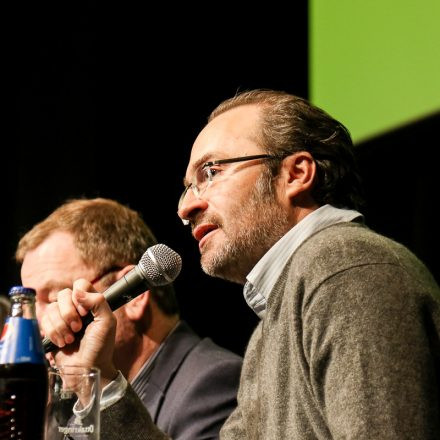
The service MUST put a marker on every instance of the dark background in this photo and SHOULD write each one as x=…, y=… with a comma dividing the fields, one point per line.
x=103, y=103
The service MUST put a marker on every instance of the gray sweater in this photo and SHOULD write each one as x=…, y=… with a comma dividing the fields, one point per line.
x=348, y=349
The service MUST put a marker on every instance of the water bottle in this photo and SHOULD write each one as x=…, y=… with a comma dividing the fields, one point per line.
x=23, y=371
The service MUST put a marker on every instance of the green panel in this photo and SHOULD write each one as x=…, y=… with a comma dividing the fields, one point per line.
x=375, y=64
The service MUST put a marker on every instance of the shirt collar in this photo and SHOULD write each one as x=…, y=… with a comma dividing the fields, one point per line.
x=265, y=273
x=144, y=373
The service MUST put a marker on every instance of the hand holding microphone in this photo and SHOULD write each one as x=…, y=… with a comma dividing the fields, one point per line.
x=159, y=266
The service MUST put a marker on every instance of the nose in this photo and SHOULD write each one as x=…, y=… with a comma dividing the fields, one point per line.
x=190, y=206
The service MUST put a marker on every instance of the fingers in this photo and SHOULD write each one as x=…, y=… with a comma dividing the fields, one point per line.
x=68, y=311
x=80, y=289
x=97, y=345
x=56, y=321
x=86, y=301
x=62, y=319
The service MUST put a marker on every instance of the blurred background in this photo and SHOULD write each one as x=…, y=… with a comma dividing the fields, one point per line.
x=107, y=102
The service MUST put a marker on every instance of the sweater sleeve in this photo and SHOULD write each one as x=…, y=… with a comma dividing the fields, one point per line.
x=128, y=419
x=372, y=369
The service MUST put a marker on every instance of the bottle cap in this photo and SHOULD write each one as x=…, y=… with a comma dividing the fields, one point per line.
x=20, y=290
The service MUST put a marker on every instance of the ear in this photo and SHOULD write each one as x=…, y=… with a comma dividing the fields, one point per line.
x=298, y=173
x=136, y=307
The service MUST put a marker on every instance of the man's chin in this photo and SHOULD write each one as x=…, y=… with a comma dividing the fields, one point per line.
x=211, y=265
x=207, y=264
x=223, y=268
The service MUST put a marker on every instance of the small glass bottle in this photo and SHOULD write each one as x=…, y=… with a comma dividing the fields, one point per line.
x=23, y=371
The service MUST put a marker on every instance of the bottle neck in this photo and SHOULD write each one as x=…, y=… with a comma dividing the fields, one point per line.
x=23, y=306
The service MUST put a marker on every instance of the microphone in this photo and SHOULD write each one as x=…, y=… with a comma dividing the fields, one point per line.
x=159, y=266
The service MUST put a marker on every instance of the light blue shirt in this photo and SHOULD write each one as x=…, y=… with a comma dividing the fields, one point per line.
x=265, y=273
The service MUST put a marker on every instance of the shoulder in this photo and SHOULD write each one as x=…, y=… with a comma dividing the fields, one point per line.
x=350, y=245
x=203, y=356
x=202, y=390
x=350, y=239
x=350, y=261
x=209, y=359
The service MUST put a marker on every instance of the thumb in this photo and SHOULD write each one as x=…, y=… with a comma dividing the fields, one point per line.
x=86, y=301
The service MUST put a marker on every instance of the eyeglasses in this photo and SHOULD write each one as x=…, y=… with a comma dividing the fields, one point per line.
x=207, y=173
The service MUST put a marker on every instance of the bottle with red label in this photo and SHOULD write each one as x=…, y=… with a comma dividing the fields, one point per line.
x=23, y=371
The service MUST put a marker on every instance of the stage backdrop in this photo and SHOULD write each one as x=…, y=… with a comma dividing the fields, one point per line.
x=375, y=65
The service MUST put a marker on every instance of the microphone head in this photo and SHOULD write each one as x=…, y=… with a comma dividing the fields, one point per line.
x=160, y=265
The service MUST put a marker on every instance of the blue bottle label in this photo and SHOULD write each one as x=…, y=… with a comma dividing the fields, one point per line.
x=20, y=342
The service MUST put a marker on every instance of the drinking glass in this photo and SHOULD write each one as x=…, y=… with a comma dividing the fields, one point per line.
x=73, y=405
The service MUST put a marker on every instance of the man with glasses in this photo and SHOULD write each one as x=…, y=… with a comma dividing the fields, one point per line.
x=348, y=343
x=188, y=385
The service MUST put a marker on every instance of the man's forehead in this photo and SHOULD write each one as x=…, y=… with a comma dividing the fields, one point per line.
x=233, y=133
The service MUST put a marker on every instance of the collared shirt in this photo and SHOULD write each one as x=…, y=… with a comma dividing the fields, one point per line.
x=265, y=273
x=112, y=392
x=143, y=375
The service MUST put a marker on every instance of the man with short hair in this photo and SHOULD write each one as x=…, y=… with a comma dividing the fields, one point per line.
x=187, y=384
x=348, y=344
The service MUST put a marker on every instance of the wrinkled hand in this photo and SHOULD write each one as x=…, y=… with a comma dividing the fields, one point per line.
x=62, y=321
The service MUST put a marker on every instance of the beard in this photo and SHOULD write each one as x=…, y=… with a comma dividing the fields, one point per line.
x=253, y=227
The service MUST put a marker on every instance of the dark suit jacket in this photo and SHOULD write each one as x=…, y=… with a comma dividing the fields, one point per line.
x=192, y=387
